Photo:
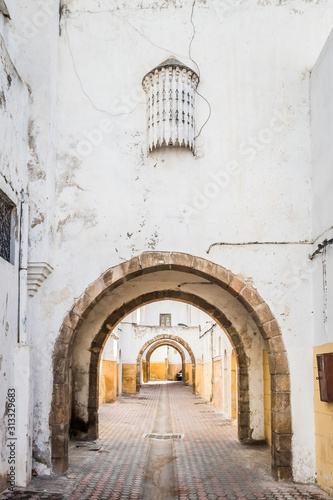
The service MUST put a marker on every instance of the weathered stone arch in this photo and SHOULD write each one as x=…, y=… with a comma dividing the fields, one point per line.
x=223, y=279
x=97, y=345
x=166, y=340
x=162, y=343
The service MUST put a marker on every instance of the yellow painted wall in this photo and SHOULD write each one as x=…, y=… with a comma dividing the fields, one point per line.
x=108, y=389
x=217, y=384
x=173, y=369
x=206, y=381
x=323, y=428
x=129, y=378
x=198, y=382
x=233, y=395
x=144, y=371
x=267, y=398
x=188, y=373
x=157, y=371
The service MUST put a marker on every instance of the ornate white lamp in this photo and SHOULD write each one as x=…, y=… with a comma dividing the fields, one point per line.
x=170, y=93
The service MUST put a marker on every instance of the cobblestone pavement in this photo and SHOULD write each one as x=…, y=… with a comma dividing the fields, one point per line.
x=209, y=462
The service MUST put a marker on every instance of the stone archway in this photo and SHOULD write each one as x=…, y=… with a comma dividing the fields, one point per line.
x=166, y=340
x=162, y=343
x=104, y=294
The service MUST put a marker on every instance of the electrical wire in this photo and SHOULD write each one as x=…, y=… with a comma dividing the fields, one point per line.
x=154, y=44
x=198, y=68
x=83, y=90
x=181, y=56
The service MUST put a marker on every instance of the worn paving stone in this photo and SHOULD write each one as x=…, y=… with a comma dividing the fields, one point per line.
x=210, y=463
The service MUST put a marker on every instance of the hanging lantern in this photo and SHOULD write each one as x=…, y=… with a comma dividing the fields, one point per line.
x=170, y=93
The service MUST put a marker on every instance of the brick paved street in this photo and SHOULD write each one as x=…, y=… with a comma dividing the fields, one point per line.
x=207, y=462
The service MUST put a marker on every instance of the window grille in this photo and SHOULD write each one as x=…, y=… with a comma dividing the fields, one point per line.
x=165, y=320
x=6, y=208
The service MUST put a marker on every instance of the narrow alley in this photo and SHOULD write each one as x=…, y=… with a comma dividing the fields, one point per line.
x=165, y=443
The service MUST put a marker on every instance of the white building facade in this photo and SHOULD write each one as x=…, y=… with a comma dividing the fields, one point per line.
x=99, y=228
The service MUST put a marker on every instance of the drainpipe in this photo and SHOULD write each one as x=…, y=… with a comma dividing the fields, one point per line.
x=23, y=272
x=212, y=371
x=23, y=380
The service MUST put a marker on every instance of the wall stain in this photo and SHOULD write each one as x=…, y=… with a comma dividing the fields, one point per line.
x=37, y=221
x=3, y=102
x=35, y=172
x=67, y=165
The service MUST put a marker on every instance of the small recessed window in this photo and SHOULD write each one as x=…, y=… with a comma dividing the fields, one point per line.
x=165, y=320
x=6, y=216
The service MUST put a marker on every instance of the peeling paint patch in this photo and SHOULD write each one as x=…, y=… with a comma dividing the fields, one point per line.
x=2, y=100
x=37, y=221
x=67, y=165
x=35, y=171
x=71, y=226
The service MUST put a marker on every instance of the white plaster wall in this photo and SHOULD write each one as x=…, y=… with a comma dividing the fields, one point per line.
x=132, y=338
x=159, y=355
x=31, y=37
x=110, y=351
x=32, y=41
x=321, y=268
x=14, y=114
x=180, y=313
x=162, y=353
x=115, y=202
x=322, y=122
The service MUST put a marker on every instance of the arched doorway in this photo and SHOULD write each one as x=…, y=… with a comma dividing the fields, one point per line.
x=232, y=302
x=170, y=340
x=158, y=344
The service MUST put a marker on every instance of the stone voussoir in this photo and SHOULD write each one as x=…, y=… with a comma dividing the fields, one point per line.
x=236, y=286
x=280, y=400
x=72, y=320
x=249, y=298
x=281, y=442
x=278, y=363
x=275, y=344
x=262, y=314
x=280, y=383
x=96, y=290
x=180, y=259
x=281, y=421
x=154, y=260
x=65, y=335
x=270, y=329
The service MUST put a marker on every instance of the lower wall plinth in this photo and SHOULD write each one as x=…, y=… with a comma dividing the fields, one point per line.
x=323, y=413
x=129, y=378
x=108, y=382
x=3, y=482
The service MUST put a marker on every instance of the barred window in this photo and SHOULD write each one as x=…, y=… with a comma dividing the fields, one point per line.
x=165, y=320
x=6, y=208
